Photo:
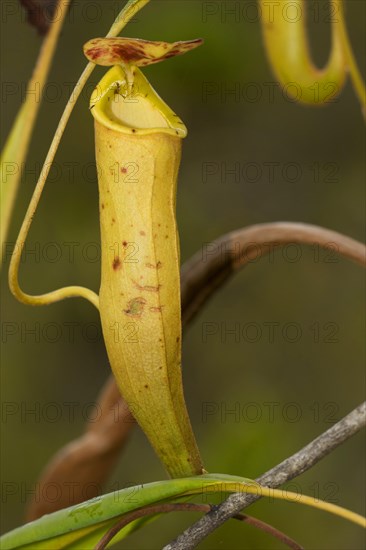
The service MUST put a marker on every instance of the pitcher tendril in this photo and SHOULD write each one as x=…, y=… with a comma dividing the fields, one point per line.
x=127, y=12
x=287, y=46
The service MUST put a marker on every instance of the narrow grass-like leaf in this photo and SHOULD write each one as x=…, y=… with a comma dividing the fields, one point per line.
x=94, y=517
x=17, y=144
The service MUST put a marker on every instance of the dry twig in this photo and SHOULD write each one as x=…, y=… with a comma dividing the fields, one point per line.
x=285, y=471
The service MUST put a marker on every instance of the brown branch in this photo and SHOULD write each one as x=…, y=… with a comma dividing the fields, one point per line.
x=292, y=467
x=189, y=507
x=87, y=461
x=267, y=528
x=216, y=262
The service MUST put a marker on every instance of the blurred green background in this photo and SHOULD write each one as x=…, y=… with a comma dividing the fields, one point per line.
x=308, y=383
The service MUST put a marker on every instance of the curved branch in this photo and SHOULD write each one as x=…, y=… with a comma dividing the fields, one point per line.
x=214, y=264
x=292, y=467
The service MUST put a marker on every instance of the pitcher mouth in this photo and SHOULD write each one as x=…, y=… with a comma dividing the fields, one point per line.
x=128, y=104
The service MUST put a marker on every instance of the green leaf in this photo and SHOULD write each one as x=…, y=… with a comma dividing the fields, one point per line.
x=81, y=526
x=84, y=521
